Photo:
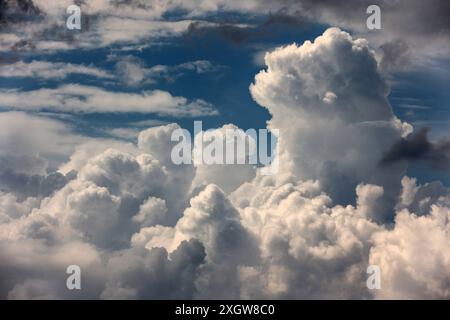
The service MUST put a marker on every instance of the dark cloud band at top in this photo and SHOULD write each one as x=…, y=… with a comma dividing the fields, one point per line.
x=417, y=147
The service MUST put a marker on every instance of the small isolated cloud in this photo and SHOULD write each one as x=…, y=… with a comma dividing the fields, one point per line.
x=131, y=71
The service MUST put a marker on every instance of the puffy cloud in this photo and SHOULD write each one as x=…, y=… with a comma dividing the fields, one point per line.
x=213, y=220
x=114, y=194
x=414, y=257
x=86, y=99
x=368, y=197
x=138, y=273
x=226, y=176
x=140, y=226
x=309, y=248
x=271, y=238
x=151, y=212
x=39, y=271
x=111, y=186
x=420, y=198
x=87, y=150
x=11, y=208
x=328, y=100
x=92, y=210
x=31, y=147
x=157, y=142
x=119, y=192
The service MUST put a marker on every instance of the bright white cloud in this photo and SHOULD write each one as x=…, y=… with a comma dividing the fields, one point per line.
x=329, y=102
x=414, y=257
x=227, y=176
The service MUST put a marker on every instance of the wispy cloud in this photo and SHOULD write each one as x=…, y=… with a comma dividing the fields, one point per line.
x=414, y=106
x=87, y=99
x=132, y=71
x=50, y=70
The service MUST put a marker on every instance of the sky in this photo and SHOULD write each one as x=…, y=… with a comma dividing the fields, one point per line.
x=87, y=179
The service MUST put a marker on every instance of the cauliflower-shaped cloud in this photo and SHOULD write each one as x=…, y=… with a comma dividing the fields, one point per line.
x=140, y=226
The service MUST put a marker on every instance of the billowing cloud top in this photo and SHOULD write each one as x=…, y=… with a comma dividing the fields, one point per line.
x=140, y=226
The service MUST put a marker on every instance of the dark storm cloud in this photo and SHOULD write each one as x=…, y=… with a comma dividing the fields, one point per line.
x=284, y=17
x=226, y=31
x=423, y=17
x=417, y=147
x=230, y=31
x=12, y=11
x=411, y=21
x=15, y=14
x=406, y=25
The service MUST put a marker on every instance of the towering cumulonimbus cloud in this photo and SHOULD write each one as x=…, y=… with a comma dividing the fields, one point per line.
x=329, y=102
x=140, y=226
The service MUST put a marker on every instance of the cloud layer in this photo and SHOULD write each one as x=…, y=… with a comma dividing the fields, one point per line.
x=140, y=226
x=411, y=33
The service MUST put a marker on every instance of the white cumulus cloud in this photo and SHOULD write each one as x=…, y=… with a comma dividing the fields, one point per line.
x=140, y=226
